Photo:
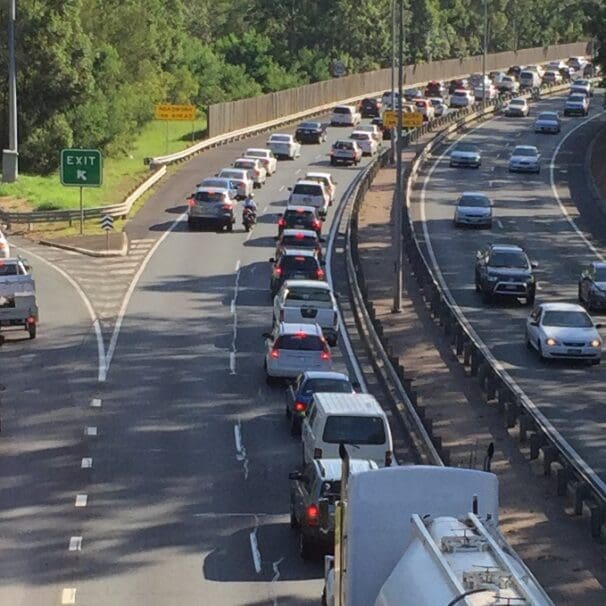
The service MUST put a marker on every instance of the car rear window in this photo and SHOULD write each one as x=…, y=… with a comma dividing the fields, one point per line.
x=547, y=116
x=460, y=93
x=231, y=174
x=298, y=263
x=306, y=189
x=360, y=136
x=8, y=269
x=342, y=110
x=300, y=342
x=354, y=430
x=308, y=294
x=327, y=386
x=207, y=196
x=280, y=138
x=294, y=216
x=343, y=145
x=299, y=242
x=310, y=125
x=245, y=164
x=331, y=490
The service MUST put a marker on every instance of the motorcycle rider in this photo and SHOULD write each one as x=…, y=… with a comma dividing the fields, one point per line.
x=250, y=206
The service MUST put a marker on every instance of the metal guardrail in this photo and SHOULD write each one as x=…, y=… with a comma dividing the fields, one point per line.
x=115, y=210
x=572, y=473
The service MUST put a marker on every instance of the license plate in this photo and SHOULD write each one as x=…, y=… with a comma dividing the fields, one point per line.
x=510, y=286
x=575, y=350
x=298, y=276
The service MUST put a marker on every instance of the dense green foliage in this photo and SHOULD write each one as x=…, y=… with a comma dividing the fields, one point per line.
x=90, y=71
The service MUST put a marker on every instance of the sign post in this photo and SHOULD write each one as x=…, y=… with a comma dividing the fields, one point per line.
x=107, y=223
x=81, y=168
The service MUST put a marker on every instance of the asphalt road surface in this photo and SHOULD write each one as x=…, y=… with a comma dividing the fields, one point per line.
x=180, y=456
x=552, y=215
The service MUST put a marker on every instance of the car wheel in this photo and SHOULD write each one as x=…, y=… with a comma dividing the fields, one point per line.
x=477, y=285
x=229, y=227
x=306, y=550
x=190, y=223
x=530, y=299
x=595, y=362
x=293, y=518
x=31, y=329
x=528, y=342
x=332, y=162
x=579, y=295
x=287, y=411
x=540, y=351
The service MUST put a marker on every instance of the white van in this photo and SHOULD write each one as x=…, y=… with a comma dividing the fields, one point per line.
x=529, y=79
x=310, y=193
x=354, y=419
x=345, y=115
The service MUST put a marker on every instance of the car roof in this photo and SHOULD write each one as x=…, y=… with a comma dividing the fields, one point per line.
x=506, y=247
x=361, y=404
x=310, y=233
x=518, y=99
x=316, y=174
x=436, y=99
x=532, y=147
x=280, y=135
x=290, y=328
x=308, y=182
x=242, y=159
x=330, y=469
x=298, y=252
x=361, y=132
x=562, y=307
x=351, y=107
x=232, y=168
x=296, y=207
x=258, y=149
x=212, y=190
x=549, y=113
x=325, y=374
x=599, y=264
x=308, y=283
x=474, y=193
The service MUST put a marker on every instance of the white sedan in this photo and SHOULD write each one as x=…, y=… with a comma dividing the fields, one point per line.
x=517, y=107
x=373, y=129
x=563, y=330
x=5, y=250
x=255, y=169
x=366, y=141
x=525, y=159
x=266, y=157
x=284, y=146
x=240, y=178
x=325, y=178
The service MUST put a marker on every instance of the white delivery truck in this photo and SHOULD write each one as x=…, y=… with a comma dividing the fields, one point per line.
x=18, y=307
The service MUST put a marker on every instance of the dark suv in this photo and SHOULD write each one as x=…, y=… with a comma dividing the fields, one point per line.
x=313, y=495
x=370, y=108
x=299, y=217
x=298, y=238
x=295, y=264
x=435, y=89
x=311, y=132
x=505, y=270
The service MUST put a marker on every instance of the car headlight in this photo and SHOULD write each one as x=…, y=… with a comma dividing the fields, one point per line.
x=551, y=342
x=492, y=278
x=596, y=343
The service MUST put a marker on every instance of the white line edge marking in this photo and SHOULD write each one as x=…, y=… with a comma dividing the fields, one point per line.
x=329, y=252
x=254, y=547
x=75, y=544
x=129, y=293
x=91, y=430
x=95, y=403
x=68, y=596
x=102, y=359
x=570, y=450
x=234, y=312
x=500, y=223
x=87, y=463
x=275, y=579
x=240, y=448
x=238, y=263
x=81, y=500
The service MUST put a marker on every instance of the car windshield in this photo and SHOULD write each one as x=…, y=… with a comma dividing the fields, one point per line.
x=460, y=93
x=466, y=147
x=354, y=430
x=300, y=342
x=299, y=241
x=508, y=259
x=580, y=83
x=576, y=98
x=547, y=116
x=209, y=196
x=326, y=386
x=517, y=102
x=600, y=274
x=231, y=174
x=308, y=294
x=280, y=138
x=572, y=319
x=474, y=201
x=309, y=125
x=296, y=215
x=524, y=151
x=305, y=189
x=298, y=263
x=8, y=269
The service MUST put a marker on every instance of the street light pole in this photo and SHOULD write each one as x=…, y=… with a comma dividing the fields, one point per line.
x=484, y=53
x=398, y=200
x=393, y=75
x=10, y=157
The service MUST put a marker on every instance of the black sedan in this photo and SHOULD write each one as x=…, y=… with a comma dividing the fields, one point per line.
x=311, y=132
x=592, y=286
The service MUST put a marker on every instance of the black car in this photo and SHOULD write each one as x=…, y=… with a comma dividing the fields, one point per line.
x=592, y=286
x=457, y=84
x=298, y=238
x=313, y=495
x=370, y=108
x=295, y=264
x=504, y=270
x=299, y=217
x=435, y=89
x=311, y=132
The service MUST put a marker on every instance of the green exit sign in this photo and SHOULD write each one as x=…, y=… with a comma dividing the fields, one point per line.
x=81, y=167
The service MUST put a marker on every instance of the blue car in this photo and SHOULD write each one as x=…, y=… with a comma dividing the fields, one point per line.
x=307, y=384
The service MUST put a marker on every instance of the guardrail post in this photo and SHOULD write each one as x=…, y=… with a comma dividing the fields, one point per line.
x=581, y=493
x=491, y=386
x=526, y=424
x=596, y=513
x=459, y=340
x=537, y=439
x=502, y=397
x=511, y=412
x=475, y=362
x=482, y=374
x=550, y=455
x=562, y=477
x=467, y=347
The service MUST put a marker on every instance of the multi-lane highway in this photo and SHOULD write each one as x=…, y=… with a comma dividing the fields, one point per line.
x=538, y=213
x=183, y=497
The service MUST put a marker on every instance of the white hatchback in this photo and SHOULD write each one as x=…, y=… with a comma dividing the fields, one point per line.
x=255, y=168
x=563, y=330
x=366, y=141
x=310, y=193
x=325, y=178
x=345, y=115
x=240, y=178
x=266, y=157
x=292, y=349
x=284, y=146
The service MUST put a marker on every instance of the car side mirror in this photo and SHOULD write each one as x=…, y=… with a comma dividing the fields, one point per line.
x=478, y=255
x=324, y=511
x=272, y=260
x=355, y=385
x=534, y=322
x=289, y=188
x=216, y=174
x=534, y=264
x=295, y=475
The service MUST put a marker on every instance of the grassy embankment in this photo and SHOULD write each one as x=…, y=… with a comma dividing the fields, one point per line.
x=120, y=176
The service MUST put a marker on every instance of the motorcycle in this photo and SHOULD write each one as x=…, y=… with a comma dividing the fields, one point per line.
x=249, y=218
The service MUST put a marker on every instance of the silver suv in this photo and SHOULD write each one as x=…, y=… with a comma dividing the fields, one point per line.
x=210, y=206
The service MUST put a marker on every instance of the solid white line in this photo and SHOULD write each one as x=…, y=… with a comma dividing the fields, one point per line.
x=90, y=431
x=87, y=463
x=81, y=500
x=95, y=403
x=240, y=448
x=232, y=363
x=75, y=544
x=129, y=293
x=572, y=453
x=275, y=579
x=68, y=596
x=238, y=437
x=249, y=236
x=554, y=189
x=254, y=548
x=500, y=223
x=91, y=312
x=232, y=307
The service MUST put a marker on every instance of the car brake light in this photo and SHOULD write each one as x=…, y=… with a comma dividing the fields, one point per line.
x=312, y=514
x=281, y=222
x=299, y=406
x=31, y=320
x=320, y=274
x=325, y=355
x=275, y=353
x=299, y=236
x=278, y=271
x=191, y=202
x=300, y=334
x=300, y=259
x=388, y=458
x=316, y=224
x=317, y=453
x=226, y=207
